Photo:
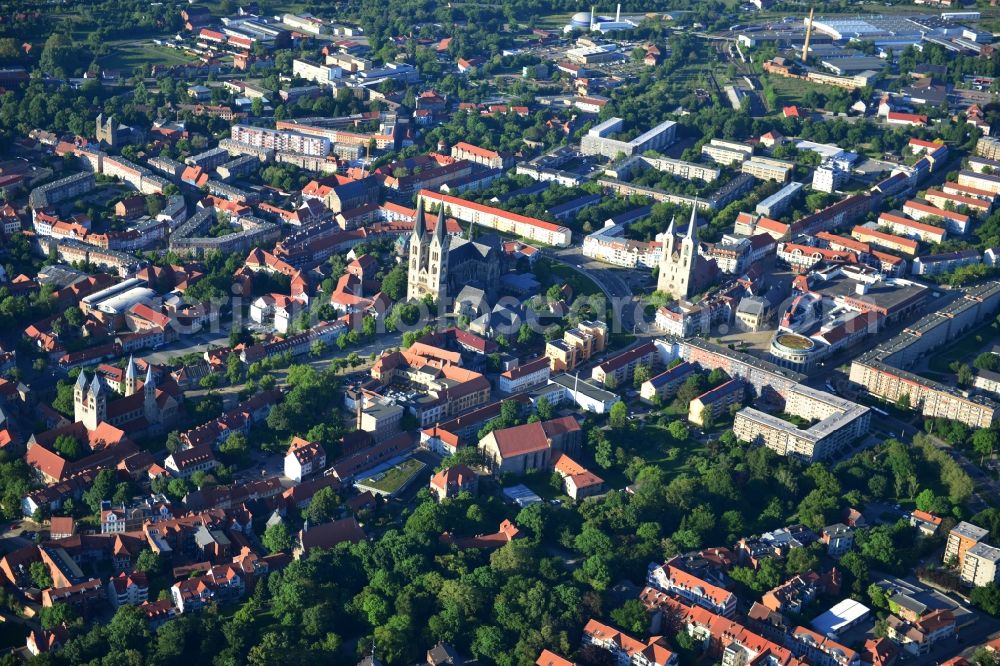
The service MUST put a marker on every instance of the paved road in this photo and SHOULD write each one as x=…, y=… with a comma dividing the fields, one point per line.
x=197, y=342
x=619, y=285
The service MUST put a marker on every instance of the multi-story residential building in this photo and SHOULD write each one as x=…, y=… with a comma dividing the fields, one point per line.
x=208, y=159
x=187, y=462
x=954, y=222
x=598, y=140
x=130, y=518
x=500, y=220
x=904, y=226
x=877, y=238
x=776, y=204
x=483, y=156
x=620, y=369
x=727, y=153
x=285, y=141
x=680, y=168
x=988, y=147
x=765, y=168
x=800, y=590
x=920, y=636
x=829, y=176
x=683, y=319
x=533, y=373
x=968, y=192
x=820, y=650
x=725, y=641
x=936, y=264
x=628, y=651
x=801, y=258
x=303, y=459
x=927, y=523
x=578, y=344
x=713, y=404
x=61, y=190
x=839, y=423
x=128, y=589
x=839, y=539
x=981, y=181
x=664, y=386
x=694, y=590
x=884, y=371
x=976, y=205
x=979, y=566
x=765, y=377
x=961, y=538
x=578, y=481
x=608, y=244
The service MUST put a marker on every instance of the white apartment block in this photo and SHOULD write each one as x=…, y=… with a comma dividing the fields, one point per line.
x=979, y=566
x=727, y=153
x=840, y=422
x=261, y=137
x=311, y=71
x=682, y=169
x=608, y=244
x=598, y=141
x=765, y=168
x=829, y=177
x=532, y=373
x=306, y=23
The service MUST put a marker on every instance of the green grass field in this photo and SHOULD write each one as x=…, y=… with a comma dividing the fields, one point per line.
x=395, y=478
x=129, y=55
x=793, y=91
x=581, y=284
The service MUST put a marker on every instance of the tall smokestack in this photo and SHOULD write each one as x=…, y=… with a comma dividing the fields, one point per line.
x=591, y=18
x=618, y=13
x=809, y=29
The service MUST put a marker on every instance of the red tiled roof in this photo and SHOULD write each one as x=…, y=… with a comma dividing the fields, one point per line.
x=548, y=658
x=330, y=534
x=457, y=201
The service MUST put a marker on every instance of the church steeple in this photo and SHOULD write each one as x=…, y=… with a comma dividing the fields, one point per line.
x=95, y=405
x=418, y=225
x=149, y=407
x=440, y=231
x=692, y=233
x=129, y=385
x=678, y=265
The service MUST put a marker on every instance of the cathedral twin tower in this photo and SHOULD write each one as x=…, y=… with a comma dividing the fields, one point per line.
x=428, y=269
x=682, y=269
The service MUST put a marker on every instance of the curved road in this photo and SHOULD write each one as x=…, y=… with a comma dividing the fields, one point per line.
x=613, y=281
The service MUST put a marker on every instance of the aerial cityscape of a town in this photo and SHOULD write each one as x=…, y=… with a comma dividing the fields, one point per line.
x=514, y=333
